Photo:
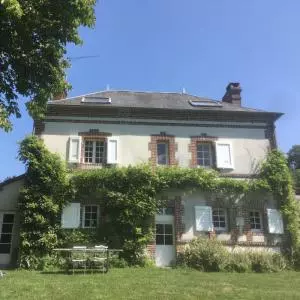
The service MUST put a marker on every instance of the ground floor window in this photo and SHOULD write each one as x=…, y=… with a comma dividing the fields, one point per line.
x=219, y=219
x=164, y=234
x=6, y=225
x=255, y=220
x=90, y=216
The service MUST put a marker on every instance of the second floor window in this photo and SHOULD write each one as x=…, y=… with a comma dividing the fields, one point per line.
x=162, y=153
x=204, y=155
x=94, y=151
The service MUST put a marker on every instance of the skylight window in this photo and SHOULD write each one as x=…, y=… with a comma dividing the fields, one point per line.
x=204, y=103
x=96, y=100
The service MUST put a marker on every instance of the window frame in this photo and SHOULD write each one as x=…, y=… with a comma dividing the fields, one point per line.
x=217, y=228
x=94, y=147
x=84, y=219
x=260, y=221
x=211, y=165
x=11, y=233
x=167, y=153
x=164, y=234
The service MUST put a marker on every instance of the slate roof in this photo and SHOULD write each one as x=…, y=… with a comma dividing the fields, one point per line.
x=157, y=100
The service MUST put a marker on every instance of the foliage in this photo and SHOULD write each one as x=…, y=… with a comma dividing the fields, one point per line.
x=296, y=178
x=205, y=254
x=41, y=200
x=210, y=255
x=276, y=172
x=33, y=39
x=294, y=156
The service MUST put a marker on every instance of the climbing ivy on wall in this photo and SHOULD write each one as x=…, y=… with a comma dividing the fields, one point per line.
x=45, y=192
x=128, y=197
x=276, y=173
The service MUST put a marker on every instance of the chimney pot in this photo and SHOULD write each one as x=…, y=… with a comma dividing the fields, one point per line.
x=233, y=94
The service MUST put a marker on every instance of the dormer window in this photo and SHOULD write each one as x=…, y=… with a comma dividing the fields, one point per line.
x=205, y=103
x=95, y=100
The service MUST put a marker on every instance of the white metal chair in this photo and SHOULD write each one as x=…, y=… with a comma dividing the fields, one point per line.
x=100, y=257
x=78, y=257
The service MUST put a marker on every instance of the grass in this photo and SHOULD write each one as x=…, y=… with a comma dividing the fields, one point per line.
x=150, y=283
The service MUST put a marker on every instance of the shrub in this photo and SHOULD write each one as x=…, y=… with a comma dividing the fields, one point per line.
x=210, y=255
x=239, y=262
x=205, y=255
x=263, y=262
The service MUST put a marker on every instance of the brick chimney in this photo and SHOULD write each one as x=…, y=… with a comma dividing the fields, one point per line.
x=233, y=94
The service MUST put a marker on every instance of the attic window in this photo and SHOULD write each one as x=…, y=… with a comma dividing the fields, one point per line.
x=205, y=103
x=96, y=100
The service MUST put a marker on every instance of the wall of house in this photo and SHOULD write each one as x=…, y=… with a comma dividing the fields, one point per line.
x=234, y=208
x=249, y=144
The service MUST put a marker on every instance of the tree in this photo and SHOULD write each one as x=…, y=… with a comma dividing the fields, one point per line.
x=294, y=157
x=33, y=39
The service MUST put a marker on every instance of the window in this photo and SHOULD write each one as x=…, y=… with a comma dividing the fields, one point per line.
x=219, y=219
x=204, y=155
x=94, y=151
x=255, y=220
x=164, y=234
x=6, y=232
x=166, y=211
x=162, y=153
x=90, y=216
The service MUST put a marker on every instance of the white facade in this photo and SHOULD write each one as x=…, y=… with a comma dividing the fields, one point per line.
x=249, y=145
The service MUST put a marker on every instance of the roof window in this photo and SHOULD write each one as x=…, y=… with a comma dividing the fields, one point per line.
x=96, y=100
x=205, y=103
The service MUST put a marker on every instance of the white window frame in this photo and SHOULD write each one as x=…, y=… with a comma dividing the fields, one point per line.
x=210, y=154
x=12, y=233
x=225, y=217
x=260, y=220
x=164, y=234
x=83, y=216
x=94, y=141
x=167, y=153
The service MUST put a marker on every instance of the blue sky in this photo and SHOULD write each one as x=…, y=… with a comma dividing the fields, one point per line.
x=165, y=45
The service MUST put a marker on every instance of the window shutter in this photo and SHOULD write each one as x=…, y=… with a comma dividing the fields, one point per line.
x=70, y=217
x=275, y=221
x=74, y=149
x=203, y=216
x=112, y=150
x=224, y=155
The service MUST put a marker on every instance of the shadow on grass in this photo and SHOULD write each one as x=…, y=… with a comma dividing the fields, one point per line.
x=70, y=272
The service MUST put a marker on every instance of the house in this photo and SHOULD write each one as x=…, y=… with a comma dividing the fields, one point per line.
x=127, y=128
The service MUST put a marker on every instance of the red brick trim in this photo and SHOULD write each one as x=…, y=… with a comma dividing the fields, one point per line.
x=192, y=148
x=178, y=213
x=153, y=148
x=270, y=135
x=94, y=133
x=39, y=127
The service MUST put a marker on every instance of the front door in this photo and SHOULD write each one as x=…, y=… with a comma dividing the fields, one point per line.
x=165, y=252
x=6, y=234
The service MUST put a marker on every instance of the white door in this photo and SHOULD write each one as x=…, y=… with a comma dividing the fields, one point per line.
x=6, y=234
x=165, y=252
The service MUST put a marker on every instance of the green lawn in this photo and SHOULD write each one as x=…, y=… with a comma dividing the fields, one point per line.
x=153, y=283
